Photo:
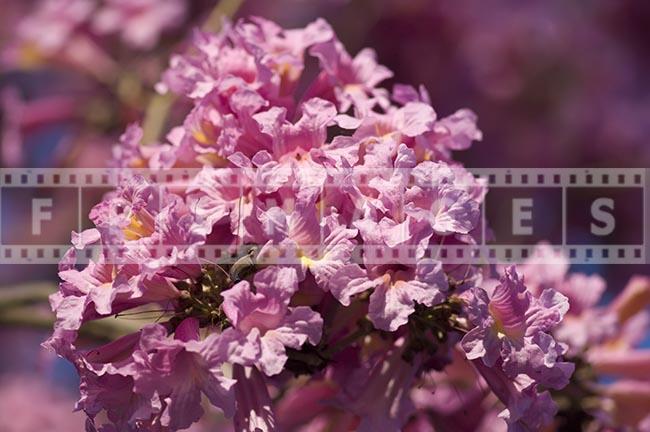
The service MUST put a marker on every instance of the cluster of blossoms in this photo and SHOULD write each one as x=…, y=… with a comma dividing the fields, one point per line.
x=56, y=27
x=70, y=45
x=609, y=389
x=611, y=385
x=329, y=309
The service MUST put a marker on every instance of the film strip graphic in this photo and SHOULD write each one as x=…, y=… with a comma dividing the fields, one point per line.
x=591, y=216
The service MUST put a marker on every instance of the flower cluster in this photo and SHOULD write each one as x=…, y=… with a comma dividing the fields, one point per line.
x=67, y=30
x=512, y=337
x=326, y=196
x=610, y=387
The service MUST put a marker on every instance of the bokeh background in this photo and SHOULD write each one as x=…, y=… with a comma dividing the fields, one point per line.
x=554, y=83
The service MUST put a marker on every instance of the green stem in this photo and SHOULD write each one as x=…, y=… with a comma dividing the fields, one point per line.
x=23, y=305
x=225, y=8
x=155, y=117
x=25, y=294
x=106, y=329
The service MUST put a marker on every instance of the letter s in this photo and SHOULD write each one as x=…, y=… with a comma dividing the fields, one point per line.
x=599, y=214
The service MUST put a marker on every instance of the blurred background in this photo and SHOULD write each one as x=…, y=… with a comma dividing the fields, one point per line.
x=554, y=84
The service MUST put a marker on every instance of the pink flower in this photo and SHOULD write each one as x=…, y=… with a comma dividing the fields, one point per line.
x=526, y=408
x=396, y=290
x=53, y=23
x=262, y=311
x=281, y=51
x=196, y=75
x=546, y=268
x=443, y=199
x=585, y=324
x=512, y=326
x=306, y=403
x=106, y=386
x=179, y=370
x=221, y=125
x=452, y=133
x=403, y=94
x=140, y=215
x=140, y=22
x=214, y=196
x=84, y=238
x=355, y=190
x=321, y=248
x=411, y=120
x=149, y=378
x=95, y=291
x=254, y=407
x=353, y=81
x=416, y=201
x=234, y=196
x=378, y=392
x=309, y=132
x=456, y=397
x=128, y=215
x=129, y=153
x=134, y=218
x=257, y=55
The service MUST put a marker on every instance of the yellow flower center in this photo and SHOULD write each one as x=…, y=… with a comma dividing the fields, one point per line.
x=137, y=229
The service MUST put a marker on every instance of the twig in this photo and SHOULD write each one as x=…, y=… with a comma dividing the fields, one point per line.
x=106, y=329
x=156, y=116
x=225, y=8
x=25, y=294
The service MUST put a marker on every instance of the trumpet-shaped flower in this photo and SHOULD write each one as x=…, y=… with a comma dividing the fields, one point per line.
x=262, y=312
x=512, y=326
x=396, y=289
